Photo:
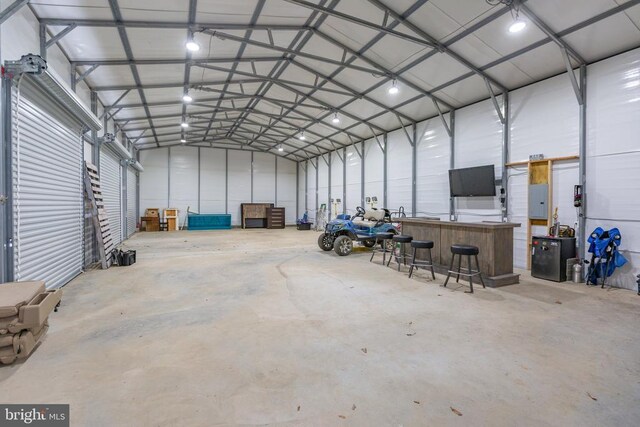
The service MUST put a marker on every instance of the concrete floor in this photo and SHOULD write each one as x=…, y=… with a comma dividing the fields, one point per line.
x=260, y=327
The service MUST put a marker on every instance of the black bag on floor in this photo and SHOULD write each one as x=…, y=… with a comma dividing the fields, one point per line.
x=124, y=258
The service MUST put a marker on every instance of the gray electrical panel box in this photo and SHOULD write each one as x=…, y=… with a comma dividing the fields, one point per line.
x=538, y=194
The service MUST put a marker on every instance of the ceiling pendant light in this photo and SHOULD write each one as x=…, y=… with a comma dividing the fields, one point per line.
x=192, y=45
x=302, y=137
x=187, y=98
x=184, y=124
x=280, y=147
x=183, y=140
x=336, y=119
x=394, y=88
x=517, y=26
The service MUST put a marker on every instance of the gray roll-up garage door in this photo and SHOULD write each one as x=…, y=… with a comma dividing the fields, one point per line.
x=132, y=197
x=47, y=188
x=110, y=182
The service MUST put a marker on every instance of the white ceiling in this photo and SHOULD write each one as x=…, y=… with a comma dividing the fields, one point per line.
x=269, y=101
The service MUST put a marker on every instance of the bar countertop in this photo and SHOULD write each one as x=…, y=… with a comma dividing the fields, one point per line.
x=489, y=225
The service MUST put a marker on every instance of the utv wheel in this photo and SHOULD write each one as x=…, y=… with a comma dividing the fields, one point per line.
x=325, y=242
x=369, y=243
x=343, y=245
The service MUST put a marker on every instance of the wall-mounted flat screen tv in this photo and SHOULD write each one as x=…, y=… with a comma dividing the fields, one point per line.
x=472, y=182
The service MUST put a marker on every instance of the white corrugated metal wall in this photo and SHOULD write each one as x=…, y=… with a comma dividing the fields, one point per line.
x=543, y=119
x=432, y=173
x=213, y=180
x=613, y=155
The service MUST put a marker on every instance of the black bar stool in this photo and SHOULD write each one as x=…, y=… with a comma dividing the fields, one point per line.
x=415, y=263
x=402, y=255
x=469, y=251
x=382, y=238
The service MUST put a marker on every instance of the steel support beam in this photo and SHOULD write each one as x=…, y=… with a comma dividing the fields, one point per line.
x=453, y=216
x=265, y=79
x=388, y=73
x=362, y=172
x=496, y=106
x=317, y=182
x=471, y=29
x=549, y=32
x=95, y=158
x=582, y=167
x=254, y=18
x=329, y=204
x=437, y=45
x=482, y=23
x=173, y=61
x=10, y=10
x=344, y=180
x=385, y=171
x=193, y=5
x=6, y=185
x=276, y=71
x=56, y=38
x=504, y=192
x=115, y=104
x=299, y=93
x=259, y=113
x=306, y=186
x=362, y=22
x=365, y=48
x=352, y=92
x=298, y=190
x=84, y=74
x=176, y=25
x=297, y=45
x=42, y=35
x=559, y=35
x=226, y=181
x=287, y=51
x=475, y=27
x=117, y=16
x=572, y=77
x=414, y=169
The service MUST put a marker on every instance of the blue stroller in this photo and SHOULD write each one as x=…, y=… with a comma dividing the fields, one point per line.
x=605, y=256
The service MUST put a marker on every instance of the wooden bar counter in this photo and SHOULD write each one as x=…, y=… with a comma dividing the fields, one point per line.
x=494, y=239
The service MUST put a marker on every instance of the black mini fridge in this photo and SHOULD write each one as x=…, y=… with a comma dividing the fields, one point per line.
x=549, y=257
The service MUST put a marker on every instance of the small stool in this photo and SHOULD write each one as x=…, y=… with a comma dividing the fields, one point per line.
x=415, y=263
x=402, y=256
x=382, y=238
x=469, y=251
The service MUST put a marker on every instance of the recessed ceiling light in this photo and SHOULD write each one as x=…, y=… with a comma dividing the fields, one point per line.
x=192, y=46
x=394, y=88
x=517, y=26
x=187, y=98
x=184, y=124
x=336, y=119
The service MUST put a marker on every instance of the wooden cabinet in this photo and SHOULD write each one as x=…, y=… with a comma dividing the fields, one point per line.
x=254, y=215
x=171, y=218
x=275, y=217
